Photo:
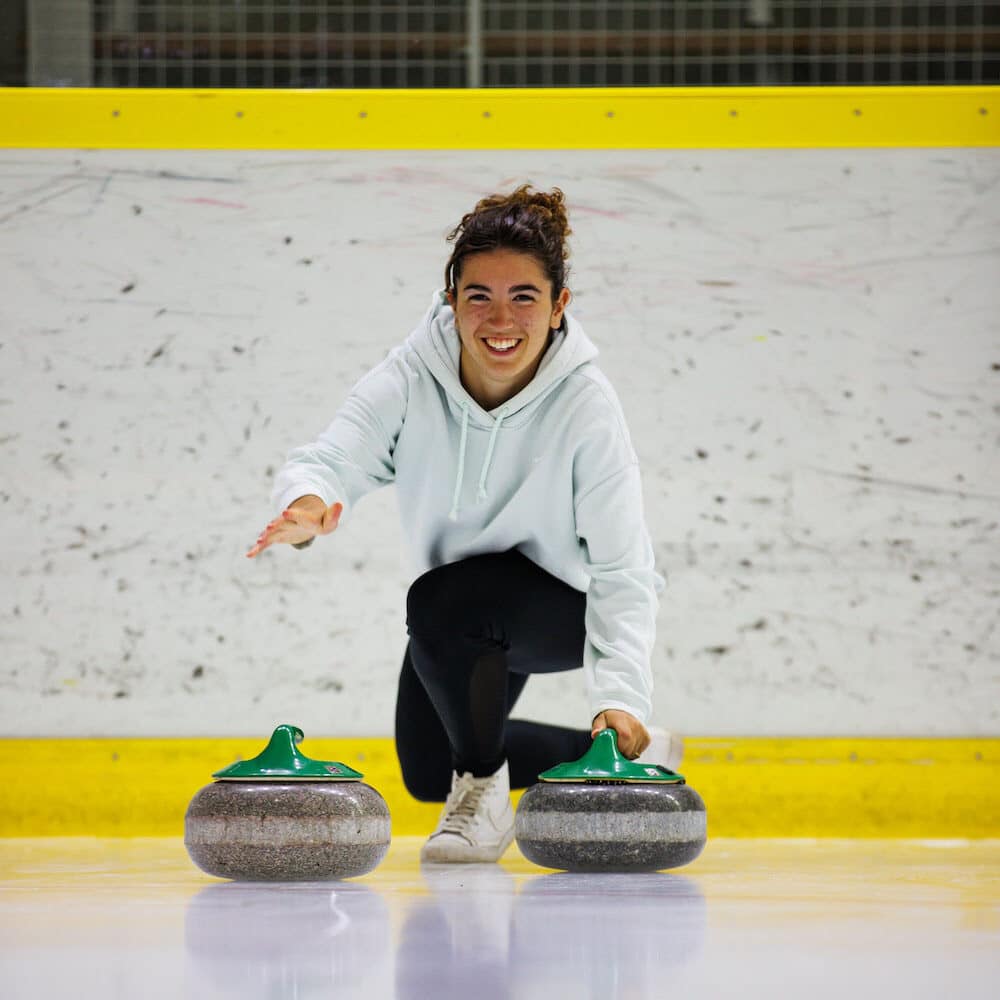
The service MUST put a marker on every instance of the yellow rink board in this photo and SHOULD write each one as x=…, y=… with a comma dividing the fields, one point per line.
x=495, y=118
x=927, y=788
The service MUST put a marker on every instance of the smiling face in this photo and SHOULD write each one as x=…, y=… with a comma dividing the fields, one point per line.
x=504, y=314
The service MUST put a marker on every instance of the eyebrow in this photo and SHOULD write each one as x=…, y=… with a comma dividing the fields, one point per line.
x=515, y=288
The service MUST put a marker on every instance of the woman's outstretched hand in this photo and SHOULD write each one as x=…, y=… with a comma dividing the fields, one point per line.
x=632, y=735
x=306, y=518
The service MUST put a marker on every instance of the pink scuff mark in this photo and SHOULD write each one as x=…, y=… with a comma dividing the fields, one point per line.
x=213, y=201
x=607, y=213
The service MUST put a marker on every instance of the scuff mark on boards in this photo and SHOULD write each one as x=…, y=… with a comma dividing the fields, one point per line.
x=214, y=202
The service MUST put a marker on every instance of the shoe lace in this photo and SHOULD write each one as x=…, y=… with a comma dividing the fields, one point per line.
x=463, y=804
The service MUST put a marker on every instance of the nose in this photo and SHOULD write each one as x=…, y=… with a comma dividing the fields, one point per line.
x=501, y=315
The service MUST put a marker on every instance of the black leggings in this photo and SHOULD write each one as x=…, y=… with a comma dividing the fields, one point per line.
x=477, y=629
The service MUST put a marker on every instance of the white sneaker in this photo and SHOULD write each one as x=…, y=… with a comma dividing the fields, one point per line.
x=477, y=822
x=664, y=748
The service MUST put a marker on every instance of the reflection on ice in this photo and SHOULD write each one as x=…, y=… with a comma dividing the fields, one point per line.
x=594, y=935
x=825, y=919
x=480, y=933
x=286, y=939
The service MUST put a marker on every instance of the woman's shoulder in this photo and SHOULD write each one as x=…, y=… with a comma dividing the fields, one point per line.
x=398, y=361
x=387, y=387
x=593, y=393
x=593, y=380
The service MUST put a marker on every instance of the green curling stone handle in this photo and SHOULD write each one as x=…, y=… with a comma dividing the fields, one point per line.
x=604, y=762
x=281, y=760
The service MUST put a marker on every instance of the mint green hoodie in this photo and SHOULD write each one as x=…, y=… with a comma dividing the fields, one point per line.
x=551, y=473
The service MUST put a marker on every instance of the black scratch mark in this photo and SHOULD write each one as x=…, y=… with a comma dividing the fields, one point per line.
x=898, y=484
x=158, y=353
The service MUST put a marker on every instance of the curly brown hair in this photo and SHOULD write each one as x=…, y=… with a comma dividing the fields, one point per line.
x=529, y=221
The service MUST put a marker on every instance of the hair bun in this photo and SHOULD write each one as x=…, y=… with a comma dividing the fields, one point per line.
x=530, y=221
x=548, y=206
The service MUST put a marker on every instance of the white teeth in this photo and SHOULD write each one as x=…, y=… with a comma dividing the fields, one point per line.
x=500, y=345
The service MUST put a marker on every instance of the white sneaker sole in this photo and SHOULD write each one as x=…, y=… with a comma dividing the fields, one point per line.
x=449, y=850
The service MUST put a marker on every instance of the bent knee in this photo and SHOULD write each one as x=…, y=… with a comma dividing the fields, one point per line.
x=454, y=592
x=426, y=786
x=435, y=597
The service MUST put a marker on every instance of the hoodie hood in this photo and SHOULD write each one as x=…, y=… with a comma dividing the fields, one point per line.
x=438, y=345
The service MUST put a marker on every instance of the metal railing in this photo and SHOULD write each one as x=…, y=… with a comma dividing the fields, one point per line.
x=517, y=43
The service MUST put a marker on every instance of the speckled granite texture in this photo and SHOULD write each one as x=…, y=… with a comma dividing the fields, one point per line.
x=591, y=827
x=283, y=832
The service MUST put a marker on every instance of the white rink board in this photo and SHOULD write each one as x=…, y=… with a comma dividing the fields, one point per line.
x=806, y=344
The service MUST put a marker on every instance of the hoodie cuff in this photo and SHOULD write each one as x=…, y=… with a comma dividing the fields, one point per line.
x=618, y=706
x=282, y=501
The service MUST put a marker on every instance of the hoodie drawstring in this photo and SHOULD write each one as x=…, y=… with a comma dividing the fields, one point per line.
x=489, y=454
x=460, y=473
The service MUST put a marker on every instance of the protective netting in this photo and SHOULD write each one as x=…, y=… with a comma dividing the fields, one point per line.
x=520, y=43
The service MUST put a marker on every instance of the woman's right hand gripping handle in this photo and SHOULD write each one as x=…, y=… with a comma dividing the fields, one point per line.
x=301, y=522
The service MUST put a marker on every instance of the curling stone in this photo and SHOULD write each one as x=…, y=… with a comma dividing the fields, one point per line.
x=283, y=817
x=605, y=813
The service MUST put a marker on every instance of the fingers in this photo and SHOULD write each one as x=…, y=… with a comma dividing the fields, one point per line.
x=635, y=740
x=259, y=546
x=264, y=540
x=632, y=735
x=331, y=518
x=321, y=524
x=291, y=526
x=298, y=523
x=600, y=723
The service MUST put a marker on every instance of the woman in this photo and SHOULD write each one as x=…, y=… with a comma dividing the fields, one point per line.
x=521, y=501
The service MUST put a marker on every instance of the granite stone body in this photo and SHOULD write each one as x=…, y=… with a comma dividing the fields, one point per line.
x=607, y=827
x=262, y=831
